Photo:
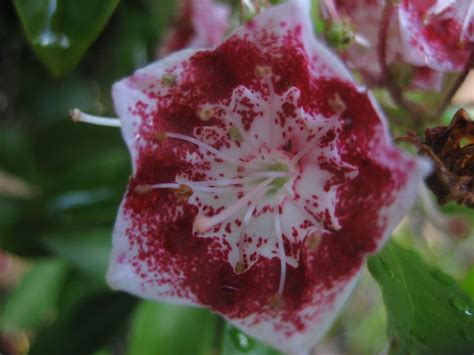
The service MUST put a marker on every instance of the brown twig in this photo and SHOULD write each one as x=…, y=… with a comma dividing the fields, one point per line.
x=456, y=85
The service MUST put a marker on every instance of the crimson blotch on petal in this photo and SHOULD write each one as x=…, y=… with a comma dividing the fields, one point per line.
x=262, y=177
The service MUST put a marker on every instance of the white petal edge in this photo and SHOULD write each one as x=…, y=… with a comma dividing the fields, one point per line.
x=125, y=96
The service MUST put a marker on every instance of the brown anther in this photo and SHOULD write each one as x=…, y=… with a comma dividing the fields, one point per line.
x=313, y=240
x=241, y=169
x=263, y=71
x=143, y=189
x=336, y=103
x=168, y=80
x=205, y=114
x=183, y=192
x=160, y=137
x=240, y=267
x=276, y=302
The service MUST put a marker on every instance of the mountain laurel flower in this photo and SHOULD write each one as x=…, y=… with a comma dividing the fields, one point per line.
x=200, y=24
x=262, y=177
x=437, y=33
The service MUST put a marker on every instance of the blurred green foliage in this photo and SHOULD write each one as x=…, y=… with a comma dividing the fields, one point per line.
x=60, y=31
x=428, y=313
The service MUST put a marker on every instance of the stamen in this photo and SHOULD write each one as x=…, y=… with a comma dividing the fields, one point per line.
x=236, y=181
x=203, y=146
x=168, y=80
x=276, y=302
x=143, y=189
x=179, y=185
x=235, y=135
x=313, y=239
x=205, y=113
x=305, y=150
x=337, y=104
x=243, y=228
x=281, y=249
x=160, y=137
x=263, y=71
x=184, y=192
x=362, y=40
x=203, y=224
x=78, y=116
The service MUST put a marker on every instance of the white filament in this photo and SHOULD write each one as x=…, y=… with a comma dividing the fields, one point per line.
x=203, y=223
x=281, y=249
x=246, y=222
x=222, y=190
x=203, y=146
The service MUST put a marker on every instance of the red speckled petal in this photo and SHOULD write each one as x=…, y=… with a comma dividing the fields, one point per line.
x=263, y=175
x=437, y=36
x=134, y=97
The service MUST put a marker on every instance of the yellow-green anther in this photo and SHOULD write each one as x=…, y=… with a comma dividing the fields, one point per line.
x=235, y=135
x=278, y=167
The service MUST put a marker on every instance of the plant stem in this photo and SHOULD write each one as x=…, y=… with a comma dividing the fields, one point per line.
x=456, y=85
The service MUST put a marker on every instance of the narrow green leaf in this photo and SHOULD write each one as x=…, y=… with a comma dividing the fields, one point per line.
x=236, y=342
x=60, y=31
x=35, y=300
x=427, y=311
x=161, y=329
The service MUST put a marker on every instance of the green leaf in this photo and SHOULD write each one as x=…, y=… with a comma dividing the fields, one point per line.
x=89, y=251
x=235, y=342
x=35, y=300
x=427, y=311
x=161, y=329
x=468, y=283
x=60, y=31
x=87, y=327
